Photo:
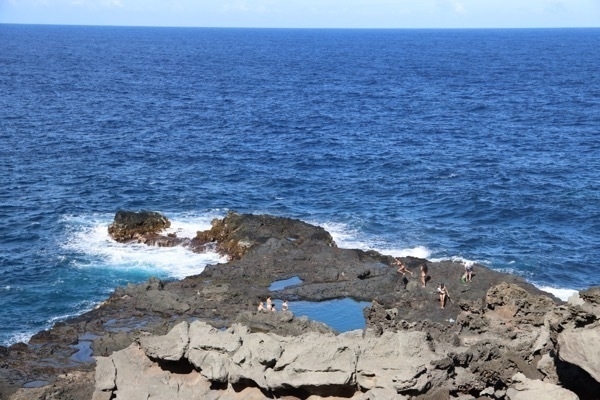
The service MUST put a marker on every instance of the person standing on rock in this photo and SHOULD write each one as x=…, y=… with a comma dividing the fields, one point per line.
x=424, y=272
x=443, y=292
x=269, y=303
x=402, y=268
x=468, y=271
x=284, y=306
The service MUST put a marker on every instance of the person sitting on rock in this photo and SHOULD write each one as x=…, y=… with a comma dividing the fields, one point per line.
x=273, y=309
x=424, y=272
x=402, y=268
x=261, y=306
x=284, y=306
x=443, y=292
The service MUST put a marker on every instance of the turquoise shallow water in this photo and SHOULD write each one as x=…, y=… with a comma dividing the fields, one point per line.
x=341, y=314
x=477, y=145
x=284, y=283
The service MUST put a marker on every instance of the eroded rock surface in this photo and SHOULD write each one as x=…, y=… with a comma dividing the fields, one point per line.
x=314, y=364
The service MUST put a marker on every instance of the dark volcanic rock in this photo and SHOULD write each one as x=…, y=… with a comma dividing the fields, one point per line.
x=129, y=225
x=236, y=234
x=490, y=328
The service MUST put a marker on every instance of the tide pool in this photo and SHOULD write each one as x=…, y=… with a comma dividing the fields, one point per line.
x=341, y=314
x=284, y=283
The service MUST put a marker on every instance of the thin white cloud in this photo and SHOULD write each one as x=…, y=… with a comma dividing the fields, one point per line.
x=114, y=3
x=459, y=7
x=555, y=6
x=239, y=6
x=62, y=3
x=452, y=6
x=257, y=6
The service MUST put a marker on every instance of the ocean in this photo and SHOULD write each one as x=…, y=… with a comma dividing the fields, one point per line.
x=473, y=145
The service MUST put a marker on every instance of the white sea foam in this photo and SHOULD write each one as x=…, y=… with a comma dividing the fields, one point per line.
x=57, y=318
x=464, y=261
x=20, y=337
x=418, y=252
x=343, y=235
x=187, y=225
x=89, y=237
x=348, y=238
x=562, y=294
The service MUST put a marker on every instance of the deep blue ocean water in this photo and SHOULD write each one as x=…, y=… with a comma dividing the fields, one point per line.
x=476, y=145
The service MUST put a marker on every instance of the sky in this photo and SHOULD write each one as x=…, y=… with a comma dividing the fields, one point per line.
x=307, y=13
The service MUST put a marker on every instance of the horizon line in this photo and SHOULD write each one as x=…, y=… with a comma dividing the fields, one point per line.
x=296, y=28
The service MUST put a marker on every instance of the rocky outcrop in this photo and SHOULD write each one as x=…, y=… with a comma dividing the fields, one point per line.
x=518, y=305
x=581, y=347
x=201, y=337
x=523, y=388
x=236, y=234
x=193, y=358
x=128, y=225
x=310, y=364
x=574, y=334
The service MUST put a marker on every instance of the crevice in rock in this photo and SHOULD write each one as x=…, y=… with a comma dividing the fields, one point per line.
x=577, y=380
x=341, y=391
x=180, y=367
x=214, y=385
x=246, y=383
x=289, y=392
x=464, y=391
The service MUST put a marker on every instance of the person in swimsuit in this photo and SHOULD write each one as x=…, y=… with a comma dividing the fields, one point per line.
x=424, y=271
x=261, y=306
x=269, y=303
x=402, y=268
x=443, y=292
x=468, y=271
x=284, y=306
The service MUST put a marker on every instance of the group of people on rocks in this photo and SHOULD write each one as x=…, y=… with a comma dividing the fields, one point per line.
x=270, y=306
x=442, y=290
